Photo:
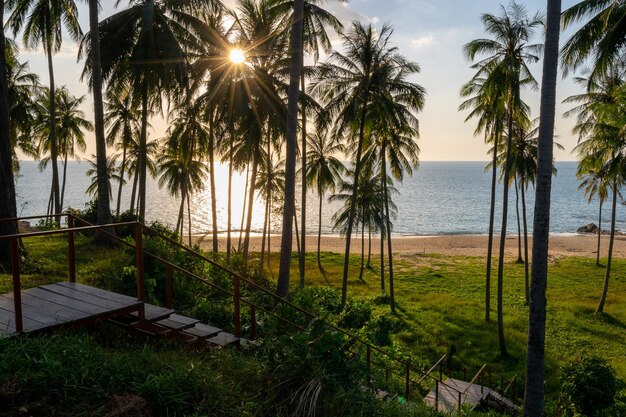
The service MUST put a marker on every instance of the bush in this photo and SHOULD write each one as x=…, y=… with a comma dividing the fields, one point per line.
x=355, y=315
x=590, y=388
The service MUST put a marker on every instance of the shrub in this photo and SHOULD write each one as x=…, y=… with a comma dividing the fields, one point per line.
x=590, y=387
x=355, y=315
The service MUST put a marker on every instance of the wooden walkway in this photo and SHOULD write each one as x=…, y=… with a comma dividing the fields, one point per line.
x=73, y=304
x=474, y=395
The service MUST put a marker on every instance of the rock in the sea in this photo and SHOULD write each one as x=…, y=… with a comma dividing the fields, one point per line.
x=590, y=228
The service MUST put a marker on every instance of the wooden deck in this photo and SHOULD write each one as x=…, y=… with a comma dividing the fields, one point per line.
x=63, y=304
x=73, y=304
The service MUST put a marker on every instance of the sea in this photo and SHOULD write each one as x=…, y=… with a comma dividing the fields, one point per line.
x=441, y=198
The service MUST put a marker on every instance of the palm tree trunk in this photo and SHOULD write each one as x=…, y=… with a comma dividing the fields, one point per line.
x=104, y=190
x=291, y=139
x=607, y=276
x=243, y=211
x=143, y=153
x=392, y=300
x=181, y=213
x=382, y=255
x=269, y=234
x=255, y=163
x=492, y=212
x=526, y=270
x=505, y=213
x=319, y=229
x=8, y=206
x=212, y=180
x=230, y=194
x=64, y=180
x=599, y=232
x=133, y=194
x=369, y=247
x=362, y=248
x=535, y=356
x=520, y=260
x=122, y=172
x=265, y=214
x=54, y=151
x=301, y=258
x=295, y=222
x=189, y=217
x=352, y=213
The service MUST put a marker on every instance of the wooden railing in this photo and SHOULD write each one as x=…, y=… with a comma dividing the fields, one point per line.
x=408, y=371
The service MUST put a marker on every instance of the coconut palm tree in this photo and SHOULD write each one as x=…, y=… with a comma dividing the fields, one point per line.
x=122, y=119
x=324, y=170
x=40, y=22
x=314, y=39
x=594, y=181
x=535, y=356
x=92, y=172
x=507, y=57
x=370, y=74
x=148, y=45
x=271, y=186
x=8, y=206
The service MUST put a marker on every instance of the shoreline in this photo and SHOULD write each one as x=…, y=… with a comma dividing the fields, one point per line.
x=453, y=245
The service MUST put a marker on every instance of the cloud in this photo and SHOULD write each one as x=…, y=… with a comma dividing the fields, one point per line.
x=422, y=41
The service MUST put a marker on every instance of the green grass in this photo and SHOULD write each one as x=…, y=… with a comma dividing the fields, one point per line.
x=441, y=300
x=440, y=303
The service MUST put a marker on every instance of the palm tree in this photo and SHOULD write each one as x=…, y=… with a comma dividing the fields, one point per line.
x=40, y=22
x=111, y=174
x=70, y=127
x=535, y=356
x=324, y=170
x=148, y=45
x=271, y=183
x=122, y=120
x=8, y=207
x=291, y=133
x=601, y=38
x=595, y=182
x=314, y=38
x=508, y=56
x=370, y=75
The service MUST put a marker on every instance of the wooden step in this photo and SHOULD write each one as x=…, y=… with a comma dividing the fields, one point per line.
x=153, y=313
x=202, y=331
x=176, y=322
x=224, y=339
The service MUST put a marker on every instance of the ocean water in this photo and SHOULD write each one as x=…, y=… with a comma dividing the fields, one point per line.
x=440, y=198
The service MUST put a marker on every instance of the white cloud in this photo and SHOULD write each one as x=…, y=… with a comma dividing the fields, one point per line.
x=423, y=41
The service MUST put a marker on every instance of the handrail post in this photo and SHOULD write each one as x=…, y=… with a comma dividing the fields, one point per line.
x=436, y=394
x=441, y=371
x=139, y=269
x=489, y=370
x=514, y=389
x=71, y=251
x=252, y=322
x=17, y=290
x=169, y=293
x=368, y=356
x=408, y=381
x=460, y=401
x=236, y=306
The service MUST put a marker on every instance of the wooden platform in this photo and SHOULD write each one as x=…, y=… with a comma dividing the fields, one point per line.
x=62, y=304
x=449, y=395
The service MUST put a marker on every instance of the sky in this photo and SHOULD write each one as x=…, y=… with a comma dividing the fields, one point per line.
x=431, y=33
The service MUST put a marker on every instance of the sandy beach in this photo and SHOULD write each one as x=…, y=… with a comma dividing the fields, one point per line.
x=461, y=245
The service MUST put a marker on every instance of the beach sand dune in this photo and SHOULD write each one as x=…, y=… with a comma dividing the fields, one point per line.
x=454, y=245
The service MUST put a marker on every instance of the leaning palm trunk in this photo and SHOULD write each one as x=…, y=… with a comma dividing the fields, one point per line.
x=519, y=226
x=301, y=258
x=54, y=150
x=505, y=213
x=212, y=180
x=526, y=271
x=189, y=217
x=535, y=356
x=133, y=194
x=122, y=172
x=392, y=300
x=605, y=288
x=246, y=241
x=492, y=211
x=181, y=213
x=599, y=232
x=291, y=139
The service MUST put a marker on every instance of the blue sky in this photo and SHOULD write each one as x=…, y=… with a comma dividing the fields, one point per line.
x=431, y=33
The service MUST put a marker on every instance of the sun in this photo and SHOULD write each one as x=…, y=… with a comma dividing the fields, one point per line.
x=237, y=56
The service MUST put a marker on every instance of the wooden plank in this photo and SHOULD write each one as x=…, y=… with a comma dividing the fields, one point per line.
x=223, y=339
x=108, y=295
x=153, y=312
x=8, y=322
x=66, y=301
x=177, y=322
x=61, y=313
x=202, y=331
x=87, y=298
x=31, y=314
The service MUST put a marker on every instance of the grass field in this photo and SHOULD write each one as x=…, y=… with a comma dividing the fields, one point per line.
x=440, y=303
